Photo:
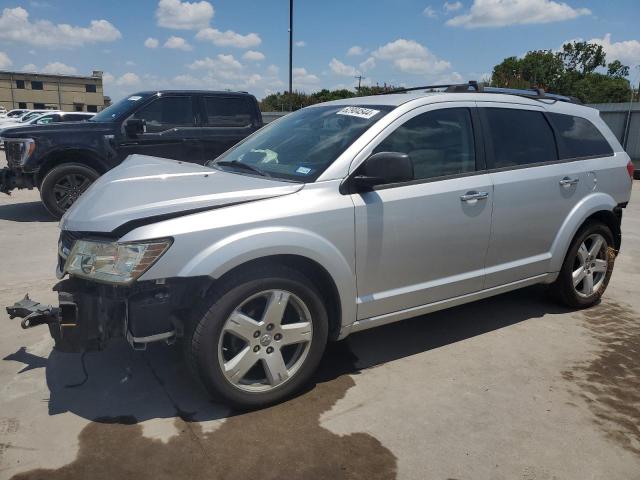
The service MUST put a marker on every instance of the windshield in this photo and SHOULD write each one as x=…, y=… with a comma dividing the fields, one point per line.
x=118, y=109
x=30, y=116
x=303, y=144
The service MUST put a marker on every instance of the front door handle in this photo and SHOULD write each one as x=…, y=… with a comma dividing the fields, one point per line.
x=473, y=196
x=567, y=182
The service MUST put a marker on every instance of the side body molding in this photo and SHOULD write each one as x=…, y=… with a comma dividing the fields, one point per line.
x=595, y=202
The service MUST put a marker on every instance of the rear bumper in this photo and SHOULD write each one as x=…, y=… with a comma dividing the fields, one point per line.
x=89, y=314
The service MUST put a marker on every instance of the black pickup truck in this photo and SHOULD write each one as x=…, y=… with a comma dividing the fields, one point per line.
x=63, y=159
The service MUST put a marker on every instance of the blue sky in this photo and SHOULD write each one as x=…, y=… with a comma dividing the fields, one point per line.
x=242, y=44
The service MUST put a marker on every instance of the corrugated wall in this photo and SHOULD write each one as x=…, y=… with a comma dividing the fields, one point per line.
x=624, y=126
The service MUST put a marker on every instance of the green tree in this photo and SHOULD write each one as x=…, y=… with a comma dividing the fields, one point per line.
x=582, y=57
x=617, y=70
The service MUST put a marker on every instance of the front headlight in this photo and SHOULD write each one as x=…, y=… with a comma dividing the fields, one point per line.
x=114, y=262
x=24, y=148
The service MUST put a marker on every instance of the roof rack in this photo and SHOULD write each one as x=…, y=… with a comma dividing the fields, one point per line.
x=474, y=87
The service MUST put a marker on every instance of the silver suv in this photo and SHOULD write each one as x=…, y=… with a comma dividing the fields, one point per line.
x=337, y=218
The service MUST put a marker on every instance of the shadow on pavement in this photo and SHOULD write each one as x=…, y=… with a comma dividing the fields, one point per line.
x=25, y=212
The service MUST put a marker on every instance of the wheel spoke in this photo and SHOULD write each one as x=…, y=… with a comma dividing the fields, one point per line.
x=71, y=180
x=587, y=284
x=275, y=368
x=236, y=368
x=241, y=325
x=597, y=245
x=296, y=333
x=578, y=275
x=583, y=253
x=62, y=189
x=84, y=185
x=276, y=305
x=601, y=266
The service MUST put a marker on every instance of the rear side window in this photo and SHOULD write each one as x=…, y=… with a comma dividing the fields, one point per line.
x=519, y=137
x=167, y=112
x=578, y=137
x=439, y=143
x=229, y=111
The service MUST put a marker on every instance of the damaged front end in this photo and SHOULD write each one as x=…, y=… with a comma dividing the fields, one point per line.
x=90, y=314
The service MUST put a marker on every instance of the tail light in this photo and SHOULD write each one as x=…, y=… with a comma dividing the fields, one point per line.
x=630, y=169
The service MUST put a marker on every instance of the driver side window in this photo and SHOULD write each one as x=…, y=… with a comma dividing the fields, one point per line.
x=166, y=113
x=439, y=143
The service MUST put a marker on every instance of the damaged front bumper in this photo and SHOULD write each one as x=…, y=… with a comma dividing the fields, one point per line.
x=11, y=179
x=90, y=314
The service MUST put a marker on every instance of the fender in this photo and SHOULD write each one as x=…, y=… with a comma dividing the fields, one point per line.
x=595, y=202
x=234, y=250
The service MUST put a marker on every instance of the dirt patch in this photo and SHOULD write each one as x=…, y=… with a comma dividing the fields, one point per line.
x=284, y=441
x=610, y=382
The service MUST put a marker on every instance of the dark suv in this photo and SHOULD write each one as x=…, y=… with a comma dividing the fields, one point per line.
x=63, y=159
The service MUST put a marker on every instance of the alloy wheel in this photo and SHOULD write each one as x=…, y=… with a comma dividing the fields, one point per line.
x=590, y=265
x=265, y=340
x=69, y=188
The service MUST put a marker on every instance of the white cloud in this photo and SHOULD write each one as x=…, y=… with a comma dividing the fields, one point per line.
x=300, y=43
x=177, y=43
x=30, y=67
x=429, y=12
x=500, y=13
x=15, y=26
x=184, y=15
x=5, y=61
x=355, y=51
x=340, y=68
x=411, y=57
x=253, y=56
x=229, y=38
x=130, y=63
x=151, y=42
x=453, y=77
x=627, y=51
x=302, y=78
x=221, y=62
x=59, y=68
x=273, y=70
x=127, y=80
x=452, y=7
x=368, y=64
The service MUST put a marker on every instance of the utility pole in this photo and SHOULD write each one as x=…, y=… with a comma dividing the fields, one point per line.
x=290, y=55
x=359, y=77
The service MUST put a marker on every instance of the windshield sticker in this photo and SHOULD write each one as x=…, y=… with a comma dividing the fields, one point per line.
x=134, y=98
x=358, y=112
x=303, y=170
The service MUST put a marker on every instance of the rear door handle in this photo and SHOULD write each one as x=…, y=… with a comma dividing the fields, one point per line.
x=473, y=196
x=567, y=182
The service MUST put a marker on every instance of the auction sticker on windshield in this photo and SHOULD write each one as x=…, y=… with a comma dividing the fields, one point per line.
x=358, y=112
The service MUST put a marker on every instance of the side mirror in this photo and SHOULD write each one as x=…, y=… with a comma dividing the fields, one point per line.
x=384, y=167
x=134, y=127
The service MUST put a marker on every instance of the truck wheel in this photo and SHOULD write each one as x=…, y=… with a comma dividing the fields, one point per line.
x=260, y=339
x=587, y=267
x=63, y=185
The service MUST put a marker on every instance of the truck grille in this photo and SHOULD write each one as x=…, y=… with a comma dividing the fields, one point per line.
x=12, y=152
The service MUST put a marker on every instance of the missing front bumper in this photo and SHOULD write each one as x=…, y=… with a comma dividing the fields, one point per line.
x=88, y=314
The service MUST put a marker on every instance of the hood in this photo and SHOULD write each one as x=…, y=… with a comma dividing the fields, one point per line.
x=55, y=127
x=143, y=187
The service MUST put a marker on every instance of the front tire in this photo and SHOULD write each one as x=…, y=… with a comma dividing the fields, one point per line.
x=63, y=185
x=260, y=339
x=587, y=268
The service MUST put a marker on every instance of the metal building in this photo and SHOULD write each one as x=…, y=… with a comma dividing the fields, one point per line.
x=624, y=120
x=72, y=93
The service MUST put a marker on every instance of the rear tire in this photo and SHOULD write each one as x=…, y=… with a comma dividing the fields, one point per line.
x=63, y=185
x=587, y=268
x=258, y=358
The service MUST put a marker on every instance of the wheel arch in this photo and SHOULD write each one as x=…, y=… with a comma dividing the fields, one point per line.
x=71, y=155
x=598, y=206
x=312, y=270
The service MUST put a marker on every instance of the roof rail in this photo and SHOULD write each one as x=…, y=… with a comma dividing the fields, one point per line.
x=474, y=87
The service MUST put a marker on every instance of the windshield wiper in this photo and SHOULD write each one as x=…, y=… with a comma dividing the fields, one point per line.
x=246, y=166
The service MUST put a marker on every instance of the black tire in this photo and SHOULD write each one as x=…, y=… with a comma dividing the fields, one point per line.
x=74, y=178
x=203, y=335
x=563, y=288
